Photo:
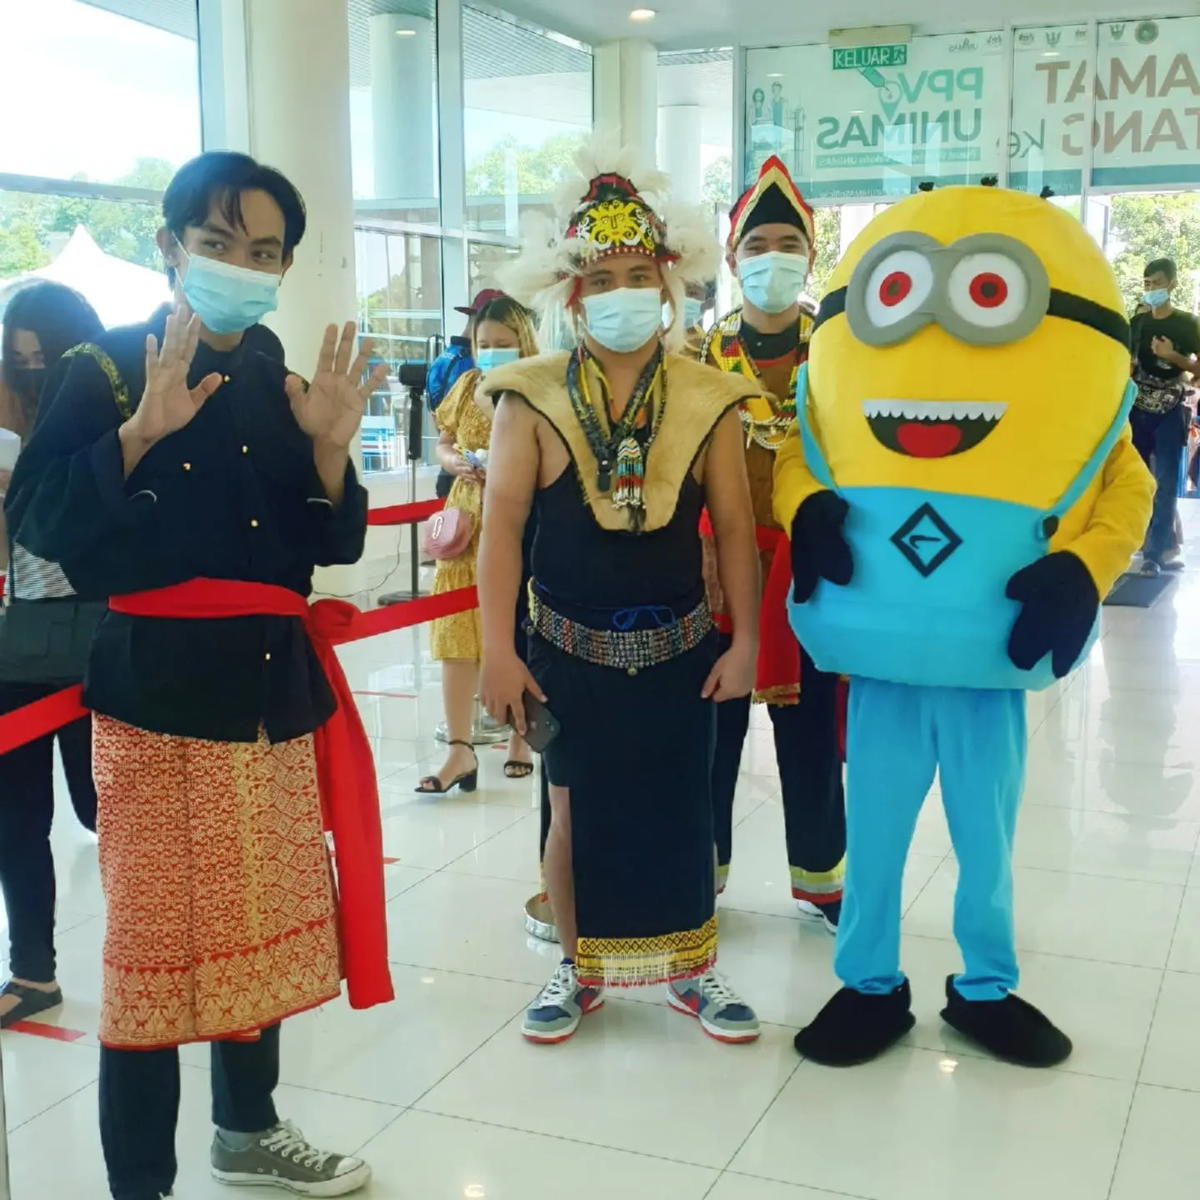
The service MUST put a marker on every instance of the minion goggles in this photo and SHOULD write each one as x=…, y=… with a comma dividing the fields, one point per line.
x=986, y=290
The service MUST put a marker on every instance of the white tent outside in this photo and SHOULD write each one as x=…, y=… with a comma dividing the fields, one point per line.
x=121, y=292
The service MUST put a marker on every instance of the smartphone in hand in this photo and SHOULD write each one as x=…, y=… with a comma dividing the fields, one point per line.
x=541, y=725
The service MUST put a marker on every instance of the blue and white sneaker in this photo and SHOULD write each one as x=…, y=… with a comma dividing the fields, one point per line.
x=560, y=1006
x=722, y=1013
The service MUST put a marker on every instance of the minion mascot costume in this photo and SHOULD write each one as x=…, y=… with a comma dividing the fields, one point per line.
x=961, y=493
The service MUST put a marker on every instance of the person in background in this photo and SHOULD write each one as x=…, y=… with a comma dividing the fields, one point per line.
x=616, y=447
x=502, y=332
x=42, y=322
x=771, y=248
x=196, y=484
x=699, y=303
x=449, y=366
x=1165, y=341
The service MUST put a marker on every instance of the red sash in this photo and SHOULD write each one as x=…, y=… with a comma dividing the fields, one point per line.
x=778, y=674
x=345, y=768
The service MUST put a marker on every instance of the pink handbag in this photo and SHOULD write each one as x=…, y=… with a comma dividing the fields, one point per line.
x=447, y=533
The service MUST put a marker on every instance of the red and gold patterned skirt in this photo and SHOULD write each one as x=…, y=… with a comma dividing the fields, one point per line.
x=218, y=888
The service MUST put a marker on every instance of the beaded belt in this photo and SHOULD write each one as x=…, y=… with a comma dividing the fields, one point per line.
x=625, y=649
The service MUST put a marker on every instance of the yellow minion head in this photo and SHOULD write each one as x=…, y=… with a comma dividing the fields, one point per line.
x=971, y=341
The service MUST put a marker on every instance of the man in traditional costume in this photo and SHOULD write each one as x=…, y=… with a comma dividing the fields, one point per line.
x=192, y=481
x=961, y=494
x=616, y=447
x=772, y=238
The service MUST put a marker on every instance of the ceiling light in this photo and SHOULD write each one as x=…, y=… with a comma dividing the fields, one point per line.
x=642, y=14
x=474, y=1191
x=1049, y=53
x=406, y=33
x=774, y=74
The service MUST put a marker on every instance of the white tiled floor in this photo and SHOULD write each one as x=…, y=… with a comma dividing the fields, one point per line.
x=446, y=1100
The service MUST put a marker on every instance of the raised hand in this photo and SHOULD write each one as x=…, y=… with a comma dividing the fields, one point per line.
x=167, y=403
x=331, y=408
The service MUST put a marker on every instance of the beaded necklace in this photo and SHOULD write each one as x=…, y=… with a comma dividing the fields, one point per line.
x=732, y=355
x=620, y=446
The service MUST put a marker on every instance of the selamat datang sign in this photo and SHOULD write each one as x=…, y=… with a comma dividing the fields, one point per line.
x=874, y=132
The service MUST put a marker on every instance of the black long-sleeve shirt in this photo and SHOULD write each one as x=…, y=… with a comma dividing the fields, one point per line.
x=233, y=495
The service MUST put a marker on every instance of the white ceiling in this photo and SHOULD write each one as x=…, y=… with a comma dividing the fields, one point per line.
x=689, y=24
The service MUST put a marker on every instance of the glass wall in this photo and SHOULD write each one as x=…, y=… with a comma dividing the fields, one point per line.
x=696, y=111
x=528, y=108
x=101, y=104
x=869, y=124
x=435, y=221
x=117, y=98
x=394, y=109
x=872, y=122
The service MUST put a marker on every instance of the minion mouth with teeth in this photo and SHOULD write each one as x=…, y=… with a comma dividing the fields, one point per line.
x=931, y=429
x=949, y=554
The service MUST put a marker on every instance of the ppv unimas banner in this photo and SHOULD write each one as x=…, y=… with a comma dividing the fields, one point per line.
x=872, y=123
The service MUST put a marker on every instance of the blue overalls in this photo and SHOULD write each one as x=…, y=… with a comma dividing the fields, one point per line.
x=922, y=630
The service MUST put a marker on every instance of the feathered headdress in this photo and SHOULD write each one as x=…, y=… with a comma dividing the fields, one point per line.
x=773, y=198
x=611, y=205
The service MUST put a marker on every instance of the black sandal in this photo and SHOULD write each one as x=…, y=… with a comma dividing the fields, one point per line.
x=517, y=768
x=431, y=785
x=32, y=1002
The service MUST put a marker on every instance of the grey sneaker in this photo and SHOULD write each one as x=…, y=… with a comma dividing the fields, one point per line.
x=283, y=1158
x=560, y=1006
x=722, y=1013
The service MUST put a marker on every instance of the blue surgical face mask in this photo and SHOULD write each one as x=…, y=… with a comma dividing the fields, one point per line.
x=228, y=299
x=495, y=356
x=1156, y=298
x=624, y=320
x=773, y=282
x=693, y=312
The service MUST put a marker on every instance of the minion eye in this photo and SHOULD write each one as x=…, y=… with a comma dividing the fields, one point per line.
x=898, y=287
x=988, y=290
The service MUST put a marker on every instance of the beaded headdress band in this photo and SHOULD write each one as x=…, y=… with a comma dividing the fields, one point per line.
x=614, y=219
x=611, y=204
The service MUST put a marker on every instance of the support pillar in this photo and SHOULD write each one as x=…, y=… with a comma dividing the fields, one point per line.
x=299, y=116
x=625, y=93
x=298, y=64
x=403, y=97
x=680, y=128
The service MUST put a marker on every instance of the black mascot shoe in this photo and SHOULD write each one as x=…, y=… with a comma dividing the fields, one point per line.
x=1011, y=1029
x=855, y=1027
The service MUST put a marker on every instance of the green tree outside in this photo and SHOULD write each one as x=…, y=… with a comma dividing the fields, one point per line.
x=33, y=226
x=1146, y=227
x=539, y=169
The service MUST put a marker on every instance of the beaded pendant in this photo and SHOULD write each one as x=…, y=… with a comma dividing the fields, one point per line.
x=631, y=474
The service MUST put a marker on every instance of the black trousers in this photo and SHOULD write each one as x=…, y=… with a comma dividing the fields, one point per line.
x=26, y=813
x=1160, y=439
x=139, y=1107
x=808, y=753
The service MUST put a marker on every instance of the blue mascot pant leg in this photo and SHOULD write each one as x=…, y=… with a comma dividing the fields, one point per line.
x=981, y=742
x=890, y=765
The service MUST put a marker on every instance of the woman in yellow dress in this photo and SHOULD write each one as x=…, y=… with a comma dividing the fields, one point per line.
x=503, y=331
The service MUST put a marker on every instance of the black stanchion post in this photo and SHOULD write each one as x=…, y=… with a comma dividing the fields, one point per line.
x=413, y=378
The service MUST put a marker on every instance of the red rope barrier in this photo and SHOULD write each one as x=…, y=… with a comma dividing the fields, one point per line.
x=405, y=514
x=40, y=718
x=45, y=716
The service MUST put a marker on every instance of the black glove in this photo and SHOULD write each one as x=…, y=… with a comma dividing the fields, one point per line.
x=1058, y=599
x=819, y=548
